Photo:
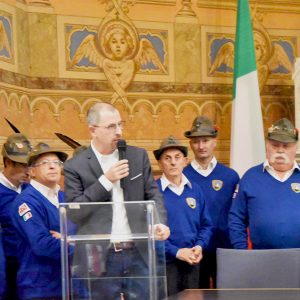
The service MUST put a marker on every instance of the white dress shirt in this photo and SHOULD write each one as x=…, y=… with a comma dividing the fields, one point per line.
x=50, y=194
x=9, y=185
x=120, y=227
x=178, y=190
x=273, y=173
x=204, y=172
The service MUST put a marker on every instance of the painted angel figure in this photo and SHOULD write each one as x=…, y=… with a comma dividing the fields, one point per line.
x=119, y=53
x=269, y=56
x=4, y=41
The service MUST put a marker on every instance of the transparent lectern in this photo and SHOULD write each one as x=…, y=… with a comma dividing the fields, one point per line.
x=114, y=254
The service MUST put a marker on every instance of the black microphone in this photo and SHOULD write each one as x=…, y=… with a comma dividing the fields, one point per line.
x=122, y=155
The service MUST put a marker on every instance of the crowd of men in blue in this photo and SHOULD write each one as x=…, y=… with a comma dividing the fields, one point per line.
x=207, y=205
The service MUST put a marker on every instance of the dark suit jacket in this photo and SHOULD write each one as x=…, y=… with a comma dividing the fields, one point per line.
x=81, y=185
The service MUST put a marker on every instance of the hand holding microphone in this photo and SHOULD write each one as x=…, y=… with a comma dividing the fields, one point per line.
x=121, y=169
x=122, y=155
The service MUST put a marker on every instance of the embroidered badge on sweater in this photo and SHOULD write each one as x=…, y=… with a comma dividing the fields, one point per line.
x=23, y=209
x=295, y=187
x=191, y=202
x=217, y=184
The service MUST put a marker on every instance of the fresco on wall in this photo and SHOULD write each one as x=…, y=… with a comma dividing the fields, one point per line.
x=117, y=49
x=6, y=40
x=275, y=55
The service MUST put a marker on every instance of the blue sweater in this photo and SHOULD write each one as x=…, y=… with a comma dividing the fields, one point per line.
x=40, y=268
x=2, y=270
x=218, y=200
x=189, y=224
x=269, y=207
x=7, y=197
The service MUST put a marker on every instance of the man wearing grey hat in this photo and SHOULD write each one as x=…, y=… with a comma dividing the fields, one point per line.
x=35, y=216
x=188, y=218
x=218, y=183
x=267, y=200
x=13, y=180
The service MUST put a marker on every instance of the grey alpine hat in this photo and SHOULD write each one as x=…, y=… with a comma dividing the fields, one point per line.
x=170, y=142
x=17, y=148
x=283, y=131
x=42, y=148
x=202, y=126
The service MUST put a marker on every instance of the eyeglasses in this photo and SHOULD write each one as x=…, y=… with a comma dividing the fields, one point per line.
x=112, y=127
x=43, y=163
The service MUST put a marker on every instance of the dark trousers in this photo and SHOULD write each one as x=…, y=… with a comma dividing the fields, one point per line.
x=208, y=271
x=11, y=270
x=180, y=276
x=126, y=273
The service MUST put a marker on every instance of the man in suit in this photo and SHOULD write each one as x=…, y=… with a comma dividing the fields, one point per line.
x=94, y=176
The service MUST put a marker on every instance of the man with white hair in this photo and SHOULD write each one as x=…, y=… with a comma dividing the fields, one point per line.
x=268, y=197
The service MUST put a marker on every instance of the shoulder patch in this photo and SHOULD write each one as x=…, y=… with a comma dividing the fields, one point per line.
x=235, y=191
x=27, y=216
x=23, y=209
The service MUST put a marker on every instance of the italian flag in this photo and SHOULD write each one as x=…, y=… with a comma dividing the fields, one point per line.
x=247, y=133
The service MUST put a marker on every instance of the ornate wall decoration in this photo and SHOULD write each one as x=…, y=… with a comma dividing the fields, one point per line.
x=6, y=38
x=221, y=55
x=116, y=49
x=275, y=54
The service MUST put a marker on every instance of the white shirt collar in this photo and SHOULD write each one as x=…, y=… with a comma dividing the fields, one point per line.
x=8, y=184
x=103, y=158
x=267, y=166
x=272, y=172
x=204, y=172
x=166, y=183
x=50, y=194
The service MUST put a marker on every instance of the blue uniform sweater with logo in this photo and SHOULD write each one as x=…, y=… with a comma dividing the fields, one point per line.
x=269, y=207
x=188, y=220
x=218, y=200
x=9, y=236
x=39, y=275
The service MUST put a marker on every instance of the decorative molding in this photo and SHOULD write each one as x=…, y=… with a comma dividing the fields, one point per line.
x=186, y=14
x=156, y=2
x=281, y=6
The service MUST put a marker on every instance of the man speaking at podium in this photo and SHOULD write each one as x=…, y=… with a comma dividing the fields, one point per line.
x=94, y=176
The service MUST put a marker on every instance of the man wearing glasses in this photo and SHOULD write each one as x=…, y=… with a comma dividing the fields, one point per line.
x=13, y=180
x=36, y=219
x=94, y=176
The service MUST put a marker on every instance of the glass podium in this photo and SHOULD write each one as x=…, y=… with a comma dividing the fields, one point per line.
x=107, y=260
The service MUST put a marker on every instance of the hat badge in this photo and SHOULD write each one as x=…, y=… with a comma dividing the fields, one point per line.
x=172, y=140
x=198, y=124
x=19, y=145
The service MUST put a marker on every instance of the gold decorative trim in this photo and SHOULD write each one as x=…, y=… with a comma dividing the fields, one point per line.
x=156, y=2
x=266, y=5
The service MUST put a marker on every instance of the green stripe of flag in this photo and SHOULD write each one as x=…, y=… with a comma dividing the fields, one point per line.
x=244, y=61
